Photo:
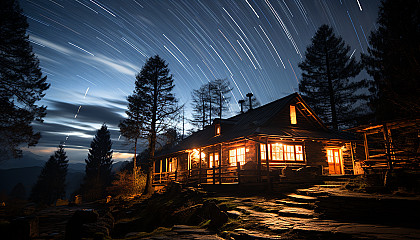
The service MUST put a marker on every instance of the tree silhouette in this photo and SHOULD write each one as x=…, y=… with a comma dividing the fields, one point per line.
x=326, y=73
x=52, y=180
x=220, y=89
x=21, y=83
x=201, y=106
x=393, y=61
x=156, y=104
x=98, y=165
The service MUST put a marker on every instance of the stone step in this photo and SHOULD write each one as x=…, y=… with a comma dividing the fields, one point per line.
x=336, y=182
x=314, y=192
x=241, y=233
x=330, y=185
x=296, y=212
x=301, y=198
x=291, y=203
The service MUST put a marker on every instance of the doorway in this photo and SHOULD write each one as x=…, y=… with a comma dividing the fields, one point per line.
x=334, y=161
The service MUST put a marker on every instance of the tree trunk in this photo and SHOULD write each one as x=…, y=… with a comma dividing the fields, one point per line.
x=152, y=143
x=331, y=90
x=135, y=165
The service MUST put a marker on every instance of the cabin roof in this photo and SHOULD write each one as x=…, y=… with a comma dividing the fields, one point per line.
x=257, y=122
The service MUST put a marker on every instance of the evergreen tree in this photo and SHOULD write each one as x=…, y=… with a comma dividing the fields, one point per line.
x=156, y=103
x=98, y=165
x=393, y=60
x=326, y=73
x=21, y=83
x=52, y=180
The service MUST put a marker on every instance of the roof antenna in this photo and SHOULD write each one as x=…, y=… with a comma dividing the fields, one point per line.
x=242, y=105
x=249, y=95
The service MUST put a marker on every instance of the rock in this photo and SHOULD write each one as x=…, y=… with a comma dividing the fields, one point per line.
x=216, y=216
x=78, y=199
x=309, y=171
x=61, y=202
x=24, y=227
x=234, y=214
x=75, y=224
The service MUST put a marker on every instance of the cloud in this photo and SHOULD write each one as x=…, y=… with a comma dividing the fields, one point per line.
x=50, y=44
x=99, y=60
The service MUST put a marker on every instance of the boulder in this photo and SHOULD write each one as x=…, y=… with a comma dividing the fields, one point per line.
x=74, y=226
x=212, y=211
x=24, y=228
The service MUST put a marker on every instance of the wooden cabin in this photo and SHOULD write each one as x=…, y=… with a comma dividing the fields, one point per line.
x=257, y=146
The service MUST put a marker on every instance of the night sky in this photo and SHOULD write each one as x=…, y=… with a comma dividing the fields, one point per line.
x=91, y=51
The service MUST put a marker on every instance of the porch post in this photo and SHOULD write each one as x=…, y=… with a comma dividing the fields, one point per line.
x=268, y=165
x=214, y=174
x=238, y=169
x=365, y=142
x=220, y=164
x=387, y=146
x=258, y=157
x=199, y=167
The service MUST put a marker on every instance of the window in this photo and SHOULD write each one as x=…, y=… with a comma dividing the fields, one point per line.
x=214, y=160
x=282, y=152
x=218, y=129
x=277, y=151
x=293, y=114
x=299, y=153
x=237, y=155
x=330, y=156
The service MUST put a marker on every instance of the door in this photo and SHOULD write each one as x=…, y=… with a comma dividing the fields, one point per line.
x=334, y=161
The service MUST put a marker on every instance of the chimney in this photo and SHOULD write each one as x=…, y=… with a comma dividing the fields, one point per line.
x=242, y=105
x=249, y=95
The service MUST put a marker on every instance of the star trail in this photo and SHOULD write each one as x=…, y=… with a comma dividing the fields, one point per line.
x=91, y=51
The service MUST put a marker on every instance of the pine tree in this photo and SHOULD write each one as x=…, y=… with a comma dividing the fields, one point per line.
x=326, y=73
x=156, y=103
x=52, y=180
x=98, y=165
x=21, y=83
x=393, y=60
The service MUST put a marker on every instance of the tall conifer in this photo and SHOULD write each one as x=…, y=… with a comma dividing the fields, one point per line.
x=21, y=83
x=327, y=74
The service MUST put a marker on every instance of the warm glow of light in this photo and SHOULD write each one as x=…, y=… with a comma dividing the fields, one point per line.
x=293, y=114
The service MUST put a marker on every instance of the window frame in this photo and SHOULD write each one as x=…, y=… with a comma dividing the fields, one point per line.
x=298, y=156
x=236, y=156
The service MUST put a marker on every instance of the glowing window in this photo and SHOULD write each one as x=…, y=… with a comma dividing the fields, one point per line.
x=263, y=151
x=218, y=129
x=277, y=151
x=330, y=156
x=299, y=153
x=289, y=152
x=293, y=114
x=214, y=159
x=237, y=155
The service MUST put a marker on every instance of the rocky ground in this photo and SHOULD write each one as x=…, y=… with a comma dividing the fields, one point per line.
x=316, y=212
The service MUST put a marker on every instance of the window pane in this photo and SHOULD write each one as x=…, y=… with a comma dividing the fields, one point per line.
x=262, y=148
x=293, y=114
x=216, y=159
x=211, y=160
x=277, y=151
x=289, y=151
x=330, y=156
x=241, y=155
x=299, y=153
x=232, y=157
